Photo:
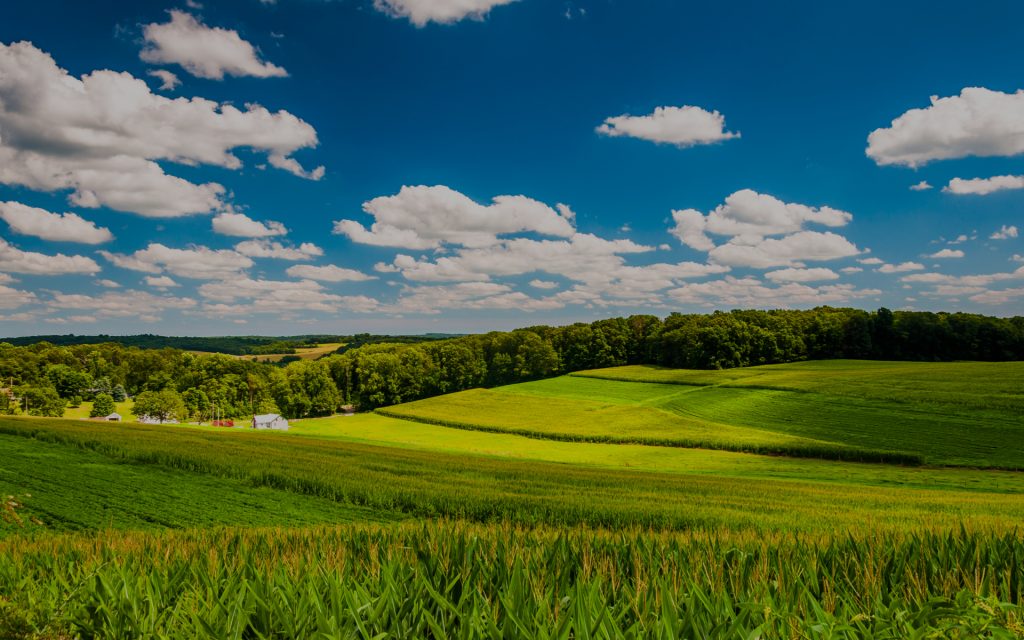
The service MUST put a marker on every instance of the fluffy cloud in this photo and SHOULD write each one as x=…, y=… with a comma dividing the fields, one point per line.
x=469, y=295
x=268, y=249
x=200, y=263
x=1001, y=296
x=120, y=304
x=66, y=227
x=160, y=282
x=424, y=217
x=582, y=256
x=205, y=52
x=802, y=275
x=751, y=292
x=168, y=80
x=14, y=260
x=543, y=284
x=421, y=12
x=100, y=136
x=791, y=250
x=978, y=122
x=920, y=186
x=978, y=287
x=327, y=273
x=684, y=126
x=983, y=186
x=947, y=253
x=901, y=267
x=1005, y=233
x=751, y=214
x=230, y=223
x=748, y=217
x=273, y=296
x=11, y=298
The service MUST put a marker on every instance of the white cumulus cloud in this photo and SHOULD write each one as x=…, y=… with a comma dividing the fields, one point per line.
x=160, y=282
x=901, y=267
x=421, y=12
x=684, y=126
x=327, y=273
x=978, y=122
x=749, y=218
x=14, y=260
x=231, y=223
x=424, y=217
x=59, y=227
x=269, y=249
x=205, y=52
x=197, y=262
x=947, y=253
x=168, y=80
x=983, y=186
x=100, y=137
x=1005, y=233
x=802, y=275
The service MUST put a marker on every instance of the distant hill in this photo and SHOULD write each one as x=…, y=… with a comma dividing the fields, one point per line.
x=231, y=345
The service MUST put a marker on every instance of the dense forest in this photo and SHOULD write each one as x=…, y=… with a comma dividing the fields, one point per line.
x=180, y=384
x=231, y=345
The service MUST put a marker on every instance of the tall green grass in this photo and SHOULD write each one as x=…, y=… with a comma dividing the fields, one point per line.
x=451, y=580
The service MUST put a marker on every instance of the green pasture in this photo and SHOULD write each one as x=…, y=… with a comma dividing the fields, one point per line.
x=373, y=428
x=813, y=418
x=488, y=489
x=66, y=488
x=81, y=412
x=973, y=388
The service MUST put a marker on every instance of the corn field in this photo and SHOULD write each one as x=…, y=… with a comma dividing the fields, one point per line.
x=457, y=580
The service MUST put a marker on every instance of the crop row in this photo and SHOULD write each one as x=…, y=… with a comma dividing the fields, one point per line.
x=486, y=489
x=453, y=580
x=434, y=411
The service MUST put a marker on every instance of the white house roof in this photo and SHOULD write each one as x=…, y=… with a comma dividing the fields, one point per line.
x=114, y=415
x=266, y=417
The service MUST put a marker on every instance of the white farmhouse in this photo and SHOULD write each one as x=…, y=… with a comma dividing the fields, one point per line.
x=269, y=421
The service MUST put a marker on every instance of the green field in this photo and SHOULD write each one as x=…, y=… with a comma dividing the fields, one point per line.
x=829, y=410
x=379, y=526
x=81, y=412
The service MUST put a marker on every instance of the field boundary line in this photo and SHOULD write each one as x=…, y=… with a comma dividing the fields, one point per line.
x=824, y=453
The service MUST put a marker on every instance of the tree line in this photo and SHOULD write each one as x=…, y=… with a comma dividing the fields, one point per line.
x=176, y=384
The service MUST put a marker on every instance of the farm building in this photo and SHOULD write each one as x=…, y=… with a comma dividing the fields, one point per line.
x=269, y=421
x=114, y=417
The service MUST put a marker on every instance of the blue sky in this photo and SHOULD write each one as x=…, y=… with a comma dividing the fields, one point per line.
x=524, y=162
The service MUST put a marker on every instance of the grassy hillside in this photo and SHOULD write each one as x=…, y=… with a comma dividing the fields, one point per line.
x=431, y=483
x=64, y=488
x=391, y=432
x=127, y=530
x=82, y=411
x=963, y=387
x=830, y=410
